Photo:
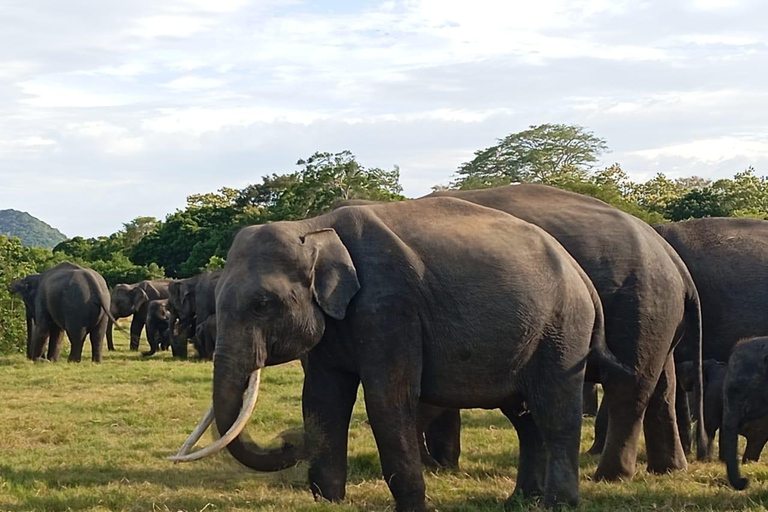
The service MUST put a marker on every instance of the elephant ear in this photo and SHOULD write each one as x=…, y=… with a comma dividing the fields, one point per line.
x=139, y=298
x=333, y=276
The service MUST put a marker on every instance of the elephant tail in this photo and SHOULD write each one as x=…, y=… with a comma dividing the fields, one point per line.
x=692, y=341
x=109, y=315
x=602, y=364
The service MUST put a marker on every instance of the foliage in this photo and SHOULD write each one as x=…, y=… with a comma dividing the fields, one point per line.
x=32, y=232
x=17, y=261
x=547, y=153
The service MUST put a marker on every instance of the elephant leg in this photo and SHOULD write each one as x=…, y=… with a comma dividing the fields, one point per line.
x=531, y=467
x=97, y=340
x=683, y=414
x=755, y=445
x=665, y=452
x=443, y=438
x=589, y=408
x=327, y=400
x=137, y=325
x=624, y=410
x=427, y=414
x=54, y=343
x=556, y=410
x=30, y=328
x=601, y=430
x=40, y=336
x=77, y=340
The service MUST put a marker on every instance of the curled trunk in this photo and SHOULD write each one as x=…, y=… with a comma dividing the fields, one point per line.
x=729, y=444
x=229, y=381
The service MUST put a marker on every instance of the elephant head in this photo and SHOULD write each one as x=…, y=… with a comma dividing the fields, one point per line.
x=126, y=300
x=278, y=286
x=26, y=287
x=745, y=398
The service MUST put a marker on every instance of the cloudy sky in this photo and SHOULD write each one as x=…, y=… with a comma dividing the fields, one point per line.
x=110, y=110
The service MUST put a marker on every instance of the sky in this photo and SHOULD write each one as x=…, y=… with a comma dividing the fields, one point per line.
x=113, y=110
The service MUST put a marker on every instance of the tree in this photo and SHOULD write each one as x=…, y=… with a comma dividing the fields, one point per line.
x=547, y=153
x=137, y=229
x=696, y=204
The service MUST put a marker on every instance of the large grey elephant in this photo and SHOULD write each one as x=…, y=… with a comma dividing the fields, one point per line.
x=726, y=258
x=650, y=303
x=158, y=332
x=73, y=299
x=745, y=400
x=134, y=299
x=27, y=287
x=191, y=302
x=437, y=300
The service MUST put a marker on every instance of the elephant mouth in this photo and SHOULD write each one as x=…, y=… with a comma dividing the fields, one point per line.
x=249, y=403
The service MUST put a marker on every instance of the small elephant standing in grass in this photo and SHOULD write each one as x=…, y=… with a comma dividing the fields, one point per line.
x=26, y=287
x=73, y=299
x=158, y=333
x=437, y=300
x=745, y=404
x=134, y=299
x=191, y=302
x=205, y=336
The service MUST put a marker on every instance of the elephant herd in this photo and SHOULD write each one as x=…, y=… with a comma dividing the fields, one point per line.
x=520, y=298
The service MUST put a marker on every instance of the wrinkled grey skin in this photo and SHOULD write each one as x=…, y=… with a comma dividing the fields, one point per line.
x=439, y=300
x=72, y=299
x=745, y=400
x=134, y=299
x=26, y=287
x=191, y=302
x=726, y=258
x=158, y=334
x=756, y=432
x=651, y=307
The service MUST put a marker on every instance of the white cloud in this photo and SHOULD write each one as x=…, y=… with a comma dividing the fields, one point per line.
x=712, y=151
x=193, y=83
x=169, y=26
x=52, y=95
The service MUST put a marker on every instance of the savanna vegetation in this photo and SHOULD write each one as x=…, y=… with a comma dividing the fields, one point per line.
x=87, y=437
x=31, y=231
x=197, y=237
x=94, y=438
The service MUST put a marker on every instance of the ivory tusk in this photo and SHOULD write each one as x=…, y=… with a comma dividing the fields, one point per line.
x=195, y=436
x=249, y=403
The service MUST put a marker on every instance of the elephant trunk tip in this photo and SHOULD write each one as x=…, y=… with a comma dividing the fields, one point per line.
x=739, y=483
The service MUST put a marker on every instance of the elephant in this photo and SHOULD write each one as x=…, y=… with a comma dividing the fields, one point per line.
x=745, y=402
x=437, y=300
x=589, y=408
x=73, y=299
x=205, y=336
x=27, y=287
x=158, y=334
x=756, y=432
x=651, y=308
x=726, y=258
x=134, y=299
x=191, y=302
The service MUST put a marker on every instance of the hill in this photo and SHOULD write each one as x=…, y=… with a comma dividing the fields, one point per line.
x=32, y=232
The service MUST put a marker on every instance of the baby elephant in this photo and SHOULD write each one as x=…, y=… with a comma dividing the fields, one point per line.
x=205, y=338
x=745, y=404
x=158, y=333
x=756, y=432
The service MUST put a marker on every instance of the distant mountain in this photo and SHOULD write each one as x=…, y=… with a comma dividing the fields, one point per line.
x=32, y=232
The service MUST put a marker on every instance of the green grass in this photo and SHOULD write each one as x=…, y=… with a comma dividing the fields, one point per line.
x=94, y=437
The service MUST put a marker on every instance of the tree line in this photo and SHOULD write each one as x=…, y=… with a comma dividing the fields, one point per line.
x=197, y=237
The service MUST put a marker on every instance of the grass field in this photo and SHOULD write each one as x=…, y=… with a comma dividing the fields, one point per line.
x=94, y=437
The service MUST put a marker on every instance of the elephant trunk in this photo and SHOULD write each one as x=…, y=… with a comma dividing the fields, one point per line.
x=230, y=376
x=729, y=443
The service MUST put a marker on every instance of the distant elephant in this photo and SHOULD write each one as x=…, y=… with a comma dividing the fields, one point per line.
x=73, y=299
x=437, y=300
x=205, y=336
x=745, y=402
x=27, y=287
x=134, y=299
x=158, y=333
x=589, y=408
x=191, y=301
x=651, y=308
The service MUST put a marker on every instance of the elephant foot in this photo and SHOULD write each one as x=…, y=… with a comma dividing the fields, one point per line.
x=41, y=360
x=613, y=474
x=149, y=353
x=669, y=466
x=595, y=450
